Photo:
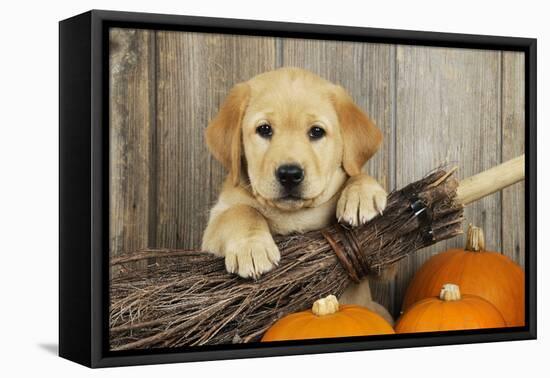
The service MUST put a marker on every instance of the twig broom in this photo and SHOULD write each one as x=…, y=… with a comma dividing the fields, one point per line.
x=190, y=299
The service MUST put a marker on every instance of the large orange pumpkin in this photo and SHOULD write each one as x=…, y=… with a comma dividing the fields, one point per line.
x=449, y=312
x=489, y=275
x=328, y=319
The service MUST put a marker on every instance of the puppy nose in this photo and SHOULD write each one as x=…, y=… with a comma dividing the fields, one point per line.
x=290, y=175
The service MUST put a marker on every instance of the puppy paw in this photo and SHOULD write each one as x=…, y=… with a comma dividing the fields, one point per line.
x=251, y=256
x=361, y=200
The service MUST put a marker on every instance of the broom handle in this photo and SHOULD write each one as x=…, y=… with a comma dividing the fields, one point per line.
x=475, y=187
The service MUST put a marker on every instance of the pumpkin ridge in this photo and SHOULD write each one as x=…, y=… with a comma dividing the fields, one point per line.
x=282, y=324
x=423, y=285
x=359, y=315
x=487, y=274
x=425, y=308
x=445, y=270
x=469, y=308
x=450, y=313
x=351, y=318
x=346, y=321
x=489, y=308
x=465, y=264
x=304, y=331
x=493, y=278
x=434, y=278
x=511, y=300
x=441, y=305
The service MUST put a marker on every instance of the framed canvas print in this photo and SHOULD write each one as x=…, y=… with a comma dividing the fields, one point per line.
x=234, y=188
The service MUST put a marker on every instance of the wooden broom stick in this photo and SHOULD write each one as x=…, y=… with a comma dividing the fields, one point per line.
x=192, y=300
x=492, y=180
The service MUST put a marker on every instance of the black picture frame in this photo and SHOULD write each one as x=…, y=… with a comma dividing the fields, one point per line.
x=84, y=192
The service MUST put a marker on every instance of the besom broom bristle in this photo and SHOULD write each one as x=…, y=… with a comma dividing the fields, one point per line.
x=189, y=299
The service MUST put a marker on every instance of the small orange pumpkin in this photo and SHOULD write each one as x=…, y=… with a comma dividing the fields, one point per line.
x=489, y=275
x=328, y=319
x=448, y=312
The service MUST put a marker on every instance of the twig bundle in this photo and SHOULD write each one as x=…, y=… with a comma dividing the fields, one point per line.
x=191, y=300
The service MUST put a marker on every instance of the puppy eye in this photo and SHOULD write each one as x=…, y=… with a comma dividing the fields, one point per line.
x=264, y=130
x=316, y=132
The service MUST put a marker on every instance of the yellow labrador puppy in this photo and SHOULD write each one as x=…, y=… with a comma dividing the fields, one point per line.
x=294, y=145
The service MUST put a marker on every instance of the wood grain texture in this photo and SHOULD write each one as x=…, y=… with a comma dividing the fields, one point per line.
x=366, y=72
x=448, y=111
x=195, y=73
x=513, y=144
x=131, y=113
x=434, y=105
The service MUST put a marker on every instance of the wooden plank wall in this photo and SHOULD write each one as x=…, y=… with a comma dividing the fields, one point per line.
x=132, y=123
x=434, y=105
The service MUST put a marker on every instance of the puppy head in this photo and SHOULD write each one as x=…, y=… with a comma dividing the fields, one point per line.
x=296, y=132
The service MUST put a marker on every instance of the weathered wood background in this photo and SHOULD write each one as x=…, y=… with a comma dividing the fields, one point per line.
x=434, y=105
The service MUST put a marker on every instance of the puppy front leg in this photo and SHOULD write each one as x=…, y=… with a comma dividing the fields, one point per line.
x=360, y=294
x=361, y=200
x=241, y=234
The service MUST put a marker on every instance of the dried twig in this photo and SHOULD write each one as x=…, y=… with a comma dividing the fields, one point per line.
x=189, y=299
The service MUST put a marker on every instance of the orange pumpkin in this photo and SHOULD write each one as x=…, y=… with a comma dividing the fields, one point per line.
x=489, y=275
x=449, y=312
x=328, y=319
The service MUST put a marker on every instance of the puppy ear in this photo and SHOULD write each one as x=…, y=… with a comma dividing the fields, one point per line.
x=223, y=134
x=360, y=135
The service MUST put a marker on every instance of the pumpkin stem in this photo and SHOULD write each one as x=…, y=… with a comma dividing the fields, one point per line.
x=325, y=306
x=450, y=292
x=475, y=239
